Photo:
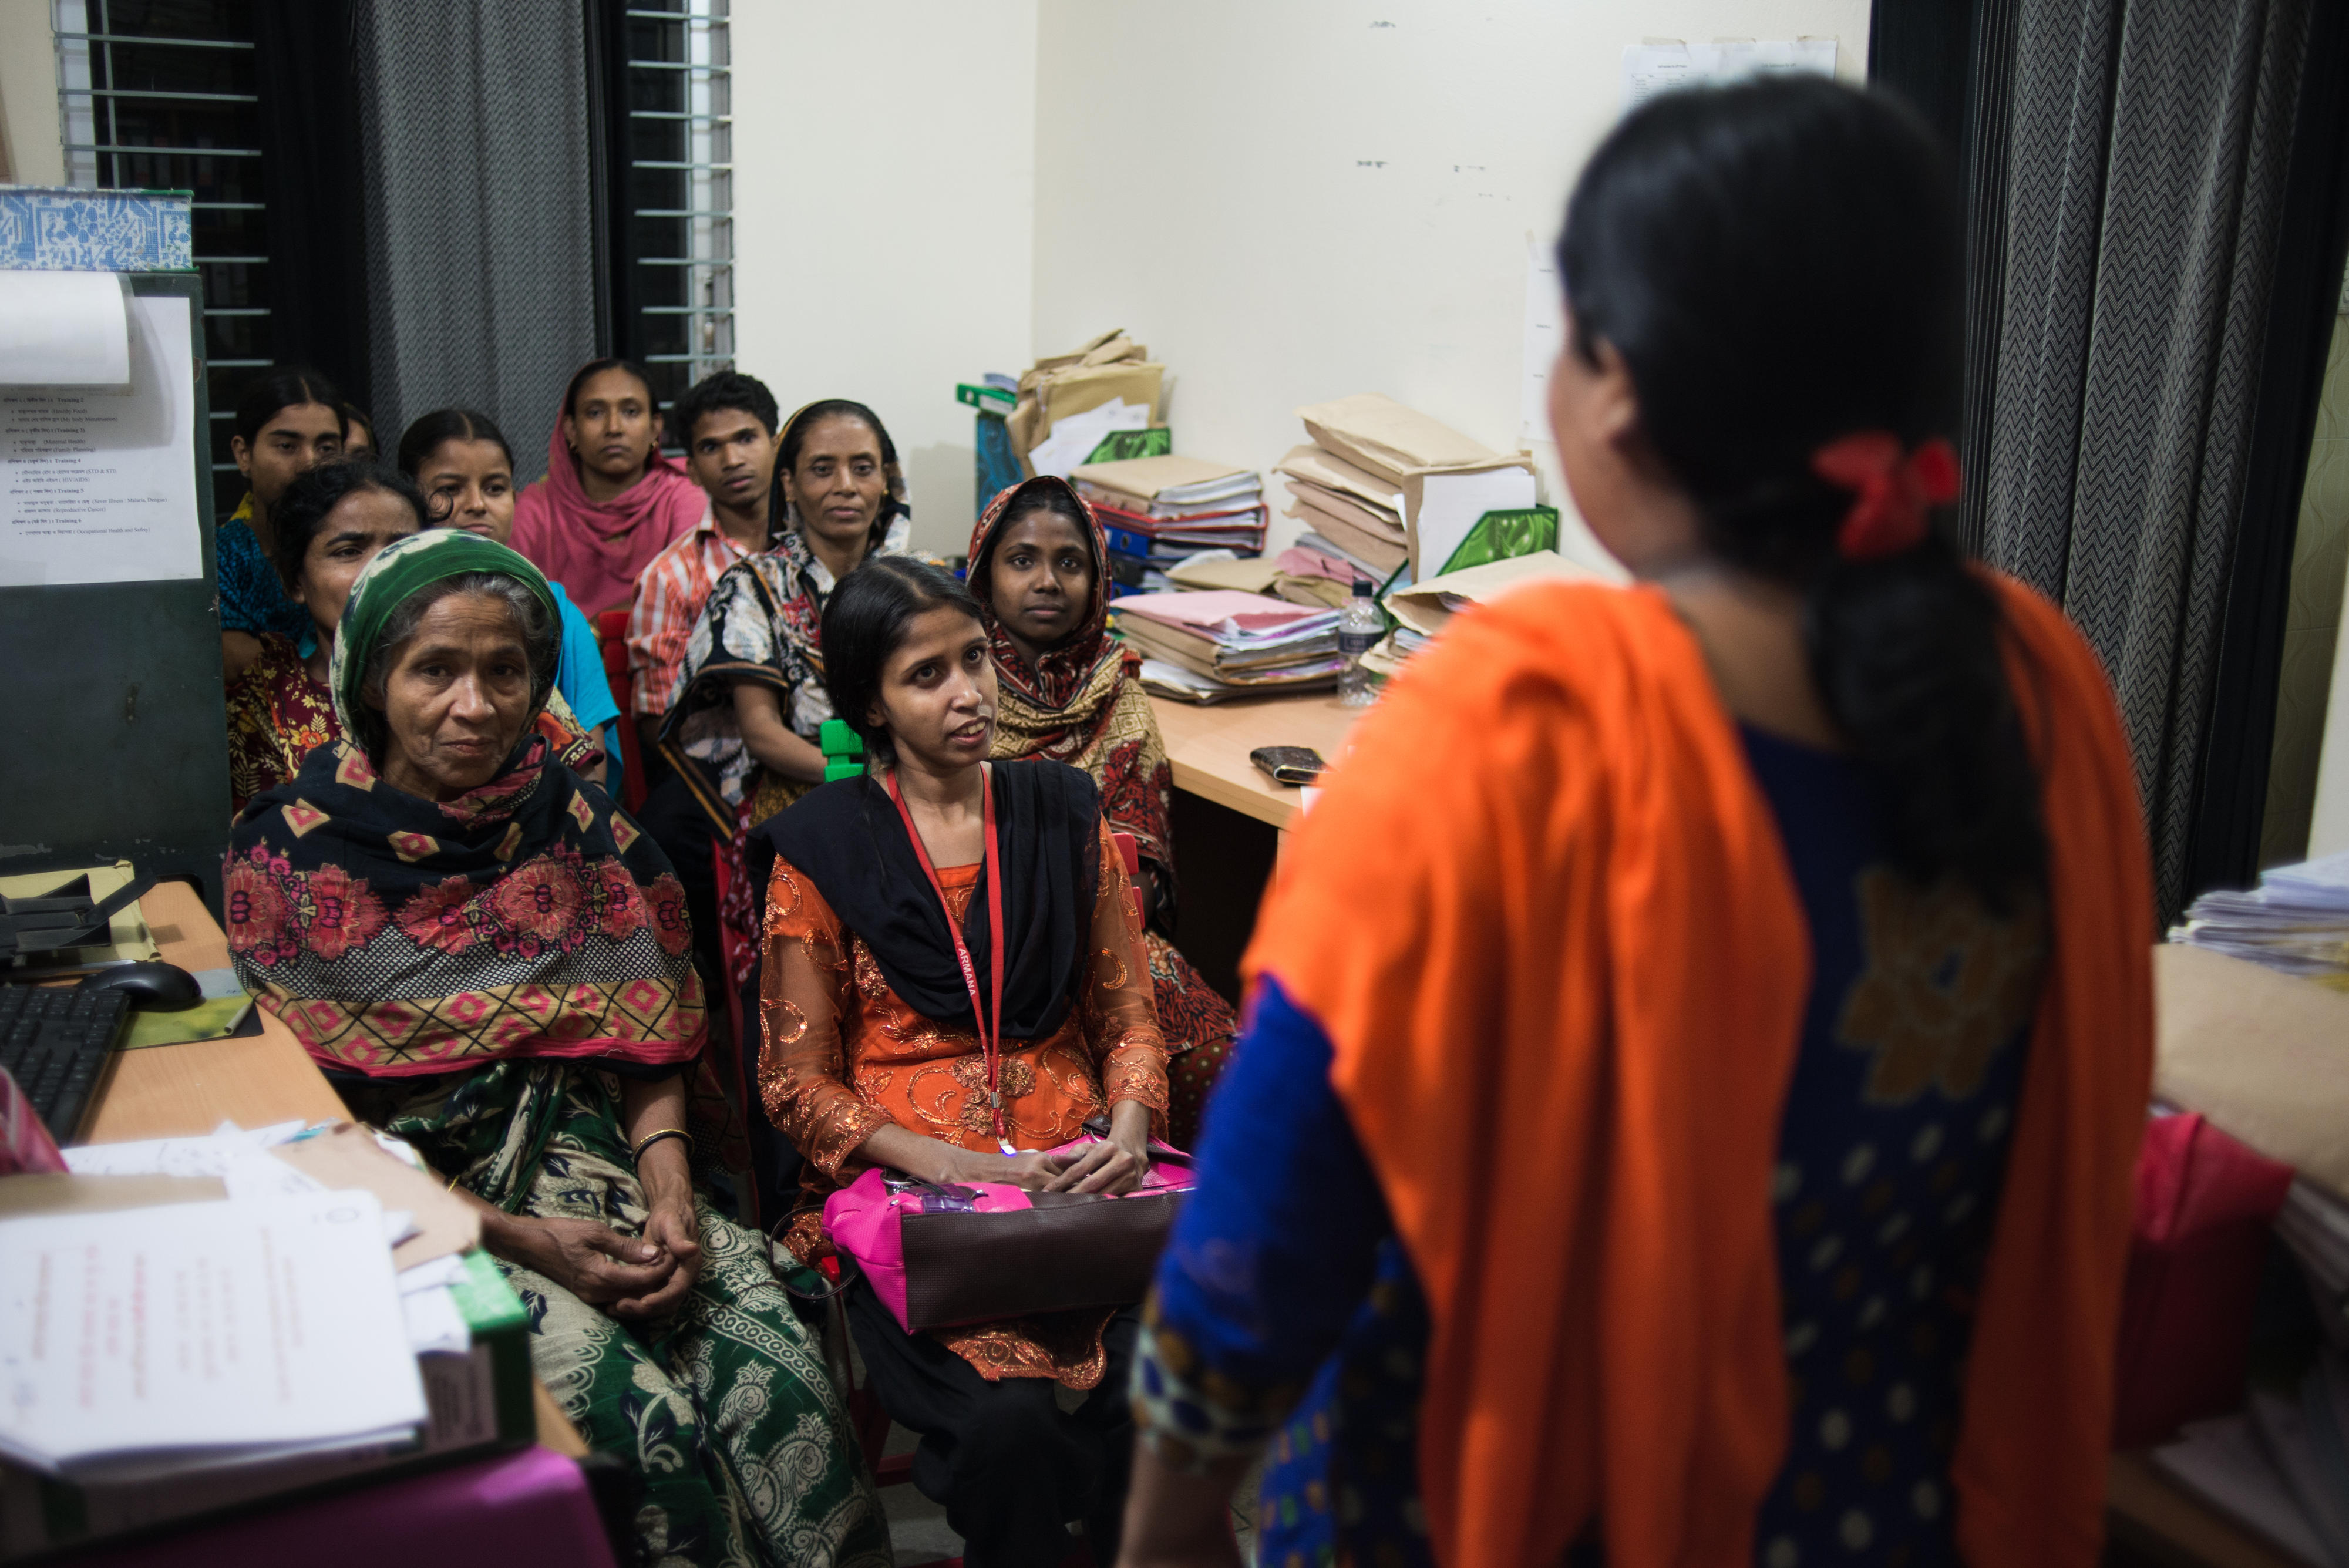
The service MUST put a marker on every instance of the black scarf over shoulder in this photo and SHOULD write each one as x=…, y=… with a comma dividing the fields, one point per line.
x=848, y=838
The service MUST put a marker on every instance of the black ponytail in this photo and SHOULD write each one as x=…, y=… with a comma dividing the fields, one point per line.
x=1779, y=264
x=427, y=433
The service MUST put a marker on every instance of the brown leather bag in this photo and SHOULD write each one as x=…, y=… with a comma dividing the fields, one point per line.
x=1070, y=1249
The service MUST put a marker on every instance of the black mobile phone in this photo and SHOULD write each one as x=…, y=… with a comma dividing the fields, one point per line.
x=1290, y=764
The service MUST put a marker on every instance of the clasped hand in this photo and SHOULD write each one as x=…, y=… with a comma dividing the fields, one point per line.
x=634, y=1278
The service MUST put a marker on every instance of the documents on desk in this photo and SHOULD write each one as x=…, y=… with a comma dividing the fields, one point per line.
x=187, y=1324
x=149, y=1342
x=1158, y=511
x=1421, y=611
x=2296, y=921
x=1238, y=640
x=1223, y=569
x=1109, y=383
x=1438, y=483
x=1347, y=512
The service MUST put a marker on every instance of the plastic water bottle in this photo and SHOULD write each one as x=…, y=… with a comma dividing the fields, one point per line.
x=1360, y=627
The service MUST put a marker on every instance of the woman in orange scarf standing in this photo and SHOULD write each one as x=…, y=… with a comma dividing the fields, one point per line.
x=1699, y=1043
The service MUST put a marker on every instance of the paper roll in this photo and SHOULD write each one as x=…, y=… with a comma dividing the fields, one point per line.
x=63, y=329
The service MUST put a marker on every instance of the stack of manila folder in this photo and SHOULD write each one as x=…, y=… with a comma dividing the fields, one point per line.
x=1110, y=383
x=1424, y=609
x=1387, y=486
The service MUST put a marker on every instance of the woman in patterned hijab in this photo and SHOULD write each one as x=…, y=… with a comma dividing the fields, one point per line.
x=1071, y=692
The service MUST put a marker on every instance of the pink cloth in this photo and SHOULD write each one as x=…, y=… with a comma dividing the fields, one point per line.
x=1303, y=561
x=533, y=1506
x=865, y=1219
x=595, y=549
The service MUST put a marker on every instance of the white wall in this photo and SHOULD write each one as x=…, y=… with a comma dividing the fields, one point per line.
x=1292, y=202
x=29, y=132
x=885, y=210
x=2328, y=828
x=1287, y=202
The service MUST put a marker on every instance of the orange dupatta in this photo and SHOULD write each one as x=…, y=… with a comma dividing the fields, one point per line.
x=1564, y=1034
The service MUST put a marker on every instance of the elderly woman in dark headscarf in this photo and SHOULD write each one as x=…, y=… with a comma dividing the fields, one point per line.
x=492, y=961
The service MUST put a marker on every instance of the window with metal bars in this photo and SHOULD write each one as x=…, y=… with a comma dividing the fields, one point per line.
x=161, y=95
x=668, y=188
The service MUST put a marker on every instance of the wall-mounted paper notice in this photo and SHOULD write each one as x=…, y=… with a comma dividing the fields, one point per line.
x=98, y=485
x=1544, y=336
x=1659, y=66
x=63, y=329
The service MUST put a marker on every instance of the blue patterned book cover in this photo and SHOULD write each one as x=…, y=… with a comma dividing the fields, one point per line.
x=47, y=228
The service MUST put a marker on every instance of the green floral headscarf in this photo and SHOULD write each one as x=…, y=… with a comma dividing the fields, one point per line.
x=390, y=579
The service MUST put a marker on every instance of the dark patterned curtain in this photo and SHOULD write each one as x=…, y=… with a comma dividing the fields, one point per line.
x=2154, y=186
x=306, y=73
x=480, y=225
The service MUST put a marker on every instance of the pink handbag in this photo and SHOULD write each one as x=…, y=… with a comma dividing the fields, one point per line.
x=939, y=1256
x=2205, y=1207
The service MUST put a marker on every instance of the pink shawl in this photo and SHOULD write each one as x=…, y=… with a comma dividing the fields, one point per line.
x=596, y=548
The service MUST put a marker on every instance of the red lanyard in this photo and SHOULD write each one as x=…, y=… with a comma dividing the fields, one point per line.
x=990, y=1021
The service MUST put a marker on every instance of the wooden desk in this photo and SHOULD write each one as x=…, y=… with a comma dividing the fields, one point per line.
x=1209, y=747
x=1228, y=819
x=166, y=1091
x=169, y=1091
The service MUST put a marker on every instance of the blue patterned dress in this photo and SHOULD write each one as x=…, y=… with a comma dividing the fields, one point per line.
x=251, y=599
x=1288, y=1318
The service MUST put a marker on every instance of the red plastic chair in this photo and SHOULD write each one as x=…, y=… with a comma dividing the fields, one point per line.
x=612, y=636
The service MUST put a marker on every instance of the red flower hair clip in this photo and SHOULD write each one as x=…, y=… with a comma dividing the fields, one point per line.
x=1894, y=489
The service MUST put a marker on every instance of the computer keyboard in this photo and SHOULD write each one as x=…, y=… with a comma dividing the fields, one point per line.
x=54, y=1041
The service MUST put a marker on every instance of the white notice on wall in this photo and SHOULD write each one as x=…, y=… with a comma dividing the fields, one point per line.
x=64, y=329
x=98, y=485
x=1544, y=336
x=1658, y=67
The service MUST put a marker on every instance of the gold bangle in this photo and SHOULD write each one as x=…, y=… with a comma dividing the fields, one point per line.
x=651, y=1139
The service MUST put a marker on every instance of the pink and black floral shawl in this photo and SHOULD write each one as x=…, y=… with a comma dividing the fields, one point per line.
x=399, y=936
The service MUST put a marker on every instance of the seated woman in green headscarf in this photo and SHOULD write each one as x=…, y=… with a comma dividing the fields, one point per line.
x=492, y=962
x=328, y=524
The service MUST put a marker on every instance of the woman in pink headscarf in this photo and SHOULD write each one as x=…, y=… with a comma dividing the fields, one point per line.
x=610, y=502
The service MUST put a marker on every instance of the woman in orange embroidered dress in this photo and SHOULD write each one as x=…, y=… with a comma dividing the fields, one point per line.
x=872, y=1055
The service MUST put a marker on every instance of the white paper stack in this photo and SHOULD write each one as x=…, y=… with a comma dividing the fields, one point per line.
x=2280, y=1467
x=145, y=1343
x=2296, y=921
x=1228, y=640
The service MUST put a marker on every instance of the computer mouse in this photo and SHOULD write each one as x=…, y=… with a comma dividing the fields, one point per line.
x=154, y=985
